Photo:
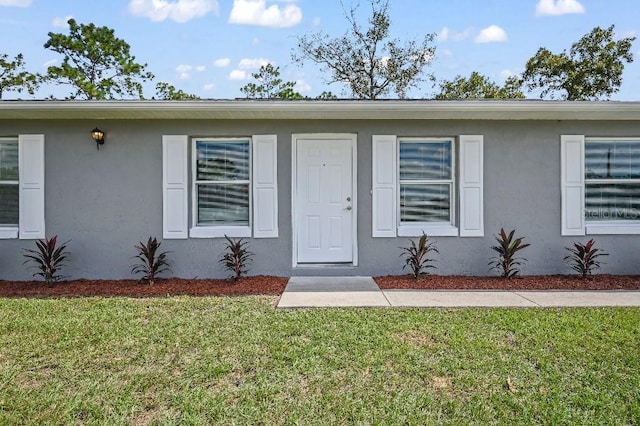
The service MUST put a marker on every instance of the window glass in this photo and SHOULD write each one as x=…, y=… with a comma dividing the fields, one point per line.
x=426, y=181
x=612, y=180
x=612, y=160
x=425, y=160
x=425, y=203
x=222, y=182
x=9, y=208
x=223, y=161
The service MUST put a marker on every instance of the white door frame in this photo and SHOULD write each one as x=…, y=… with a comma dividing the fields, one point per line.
x=353, y=138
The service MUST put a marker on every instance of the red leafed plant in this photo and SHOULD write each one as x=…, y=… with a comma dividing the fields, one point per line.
x=506, y=261
x=150, y=262
x=236, y=257
x=47, y=259
x=584, y=257
x=416, y=255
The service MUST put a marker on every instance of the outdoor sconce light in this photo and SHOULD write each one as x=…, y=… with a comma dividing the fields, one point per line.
x=98, y=136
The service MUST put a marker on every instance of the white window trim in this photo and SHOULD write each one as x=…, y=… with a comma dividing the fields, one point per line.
x=218, y=231
x=436, y=229
x=627, y=227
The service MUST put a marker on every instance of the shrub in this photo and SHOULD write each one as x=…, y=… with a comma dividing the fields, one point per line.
x=47, y=259
x=584, y=257
x=506, y=261
x=416, y=255
x=150, y=262
x=236, y=257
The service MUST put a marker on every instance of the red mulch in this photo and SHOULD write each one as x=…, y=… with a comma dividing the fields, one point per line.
x=530, y=282
x=259, y=284
x=269, y=285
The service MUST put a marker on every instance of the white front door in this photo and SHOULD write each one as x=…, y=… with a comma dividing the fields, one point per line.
x=324, y=200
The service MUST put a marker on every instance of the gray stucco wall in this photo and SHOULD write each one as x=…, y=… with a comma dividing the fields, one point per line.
x=106, y=201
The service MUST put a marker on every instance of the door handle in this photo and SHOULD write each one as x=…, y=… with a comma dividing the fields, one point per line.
x=348, y=208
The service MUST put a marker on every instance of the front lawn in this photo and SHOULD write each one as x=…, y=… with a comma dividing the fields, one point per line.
x=188, y=360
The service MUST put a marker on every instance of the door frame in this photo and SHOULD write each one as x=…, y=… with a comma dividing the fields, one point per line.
x=353, y=138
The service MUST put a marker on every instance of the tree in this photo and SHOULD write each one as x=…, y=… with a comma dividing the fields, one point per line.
x=96, y=64
x=591, y=70
x=13, y=77
x=168, y=92
x=270, y=85
x=370, y=63
x=477, y=86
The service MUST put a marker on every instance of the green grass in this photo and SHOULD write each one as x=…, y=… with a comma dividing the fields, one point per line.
x=190, y=360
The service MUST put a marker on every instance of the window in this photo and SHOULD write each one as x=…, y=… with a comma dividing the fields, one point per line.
x=222, y=180
x=9, y=179
x=600, y=185
x=416, y=189
x=232, y=184
x=22, y=187
x=426, y=181
x=612, y=180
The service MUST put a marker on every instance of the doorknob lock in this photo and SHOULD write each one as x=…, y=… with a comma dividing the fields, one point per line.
x=348, y=208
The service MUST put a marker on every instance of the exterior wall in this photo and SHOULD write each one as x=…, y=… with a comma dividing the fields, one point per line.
x=106, y=201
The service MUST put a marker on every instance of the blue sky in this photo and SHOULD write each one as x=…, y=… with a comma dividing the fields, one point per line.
x=210, y=47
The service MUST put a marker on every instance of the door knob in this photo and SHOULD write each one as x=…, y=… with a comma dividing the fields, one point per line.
x=348, y=198
x=348, y=208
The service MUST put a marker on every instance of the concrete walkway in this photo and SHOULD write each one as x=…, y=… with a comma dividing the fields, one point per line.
x=315, y=292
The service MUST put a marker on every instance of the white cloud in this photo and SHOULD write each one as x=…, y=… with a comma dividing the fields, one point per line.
x=179, y=11
x=316, y=22
x=491, y=34
x=209, y=87
x=61, y=22
x=238, y=75
x=16, y=3
x=184, y=71
x=50, y=63
x=221, y=63
x=506, y=73
x=446, y=34
x=256, y=12
x=200, y=68
x=302, y=86
x=255, y=41
x=558, y=7
x=252, y=63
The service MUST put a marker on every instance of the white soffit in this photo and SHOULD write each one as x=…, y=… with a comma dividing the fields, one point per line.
x=323, y=110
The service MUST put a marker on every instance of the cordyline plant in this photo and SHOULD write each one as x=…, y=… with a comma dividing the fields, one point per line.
x=47, y=259
x=584, y=257
x=236, y=257
x=416, y=255
x=150, y=261
x=506, y=261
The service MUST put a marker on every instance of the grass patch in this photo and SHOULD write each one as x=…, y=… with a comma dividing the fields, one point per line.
x=238, y=361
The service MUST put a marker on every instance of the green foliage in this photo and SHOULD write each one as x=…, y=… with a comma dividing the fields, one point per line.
x=13, y=77
x=584, y=257
x=478, y=86
x=416, y=255
x=47, y=259
x=326, y=96
x=591, y=70
x=269, y=85
x=236, y=257
x=506, y=261
x=367, y=60
x=96, y=64
x=168, y=92
x=150, y=262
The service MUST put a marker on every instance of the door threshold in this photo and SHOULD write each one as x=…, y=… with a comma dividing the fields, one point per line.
x=325, y=265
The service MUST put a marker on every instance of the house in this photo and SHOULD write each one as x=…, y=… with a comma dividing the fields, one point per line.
x=318, y=187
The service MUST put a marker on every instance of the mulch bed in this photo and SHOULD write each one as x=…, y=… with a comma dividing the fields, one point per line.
x=260, y=284
x=270, y=285
x=530, y=282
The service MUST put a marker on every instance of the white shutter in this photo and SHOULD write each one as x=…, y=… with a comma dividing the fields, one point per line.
x=265, y=186
x=31, y=184
x=572, y=184
x=471, y=186
x=384, y=202
x=175, y=187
